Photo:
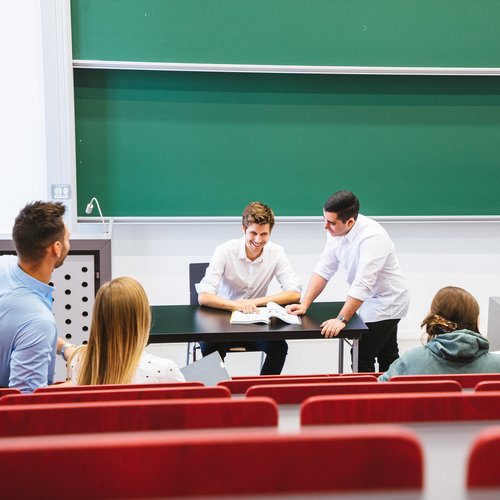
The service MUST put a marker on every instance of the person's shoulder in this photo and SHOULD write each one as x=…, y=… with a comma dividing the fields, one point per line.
x=415, y=352
x=493, y=358
x=23, y=300
x=409, y=363
x=370, y=225
x=410, y=360
x=371, y=229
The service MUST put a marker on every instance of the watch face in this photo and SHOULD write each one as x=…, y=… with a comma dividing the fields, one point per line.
x=341, y=318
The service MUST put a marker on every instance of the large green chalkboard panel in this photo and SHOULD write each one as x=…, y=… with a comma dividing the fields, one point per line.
x=205, y=144
x=299, y=32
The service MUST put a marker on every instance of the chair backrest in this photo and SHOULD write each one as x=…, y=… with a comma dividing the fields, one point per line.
x=240, y=386
x=402, y=407
x=297, y=393
x=288, y=375
x=196, y=274
x=483, y=460
x=116, y=395
x=114, y=387
x=201, y=464
x=466, y=380
x=8, y=390
x=122, y=416
x=488, y=385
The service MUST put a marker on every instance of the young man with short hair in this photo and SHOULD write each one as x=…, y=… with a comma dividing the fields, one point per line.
x=238, y=278
x=378, y=288
x=28, y=332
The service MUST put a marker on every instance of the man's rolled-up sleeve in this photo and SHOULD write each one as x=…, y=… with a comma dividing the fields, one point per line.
x=288, y=280
x=213, y=275
x=328, y=263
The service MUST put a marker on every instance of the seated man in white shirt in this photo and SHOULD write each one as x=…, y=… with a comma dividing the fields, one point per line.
x=238, y=278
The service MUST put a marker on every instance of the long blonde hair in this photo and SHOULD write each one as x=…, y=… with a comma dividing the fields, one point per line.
x=452, y=308
x=119, y=332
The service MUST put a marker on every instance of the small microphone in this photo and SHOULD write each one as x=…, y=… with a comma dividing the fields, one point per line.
x=90, y=209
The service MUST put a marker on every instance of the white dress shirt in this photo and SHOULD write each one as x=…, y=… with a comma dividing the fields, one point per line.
x=367, y=254
x=232, y=275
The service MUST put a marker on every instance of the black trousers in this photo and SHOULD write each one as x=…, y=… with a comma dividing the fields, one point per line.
x=276, y=351
x=380, y=343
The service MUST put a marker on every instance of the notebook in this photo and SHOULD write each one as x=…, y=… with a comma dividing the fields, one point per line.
x=210, y=370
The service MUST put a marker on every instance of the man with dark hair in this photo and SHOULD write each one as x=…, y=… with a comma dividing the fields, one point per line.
x=238, y=278
x=28, y=332
x=377, y=287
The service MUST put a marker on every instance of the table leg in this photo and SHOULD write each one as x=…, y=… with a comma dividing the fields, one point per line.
x=341, y=355
x=355, y=354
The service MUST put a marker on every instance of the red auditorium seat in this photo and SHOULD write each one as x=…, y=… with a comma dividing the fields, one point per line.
x=156, y=464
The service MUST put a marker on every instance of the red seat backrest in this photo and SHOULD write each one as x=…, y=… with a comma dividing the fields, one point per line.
x=64, y=388
x=8, y=390
x=484, y=457
x=393, y=408
x=121, y=416
x=156, y=464
x=488, y=385
x=263, y=377
x=297, y=393
x=240, y=386
x=116, y=395
x=466, y=380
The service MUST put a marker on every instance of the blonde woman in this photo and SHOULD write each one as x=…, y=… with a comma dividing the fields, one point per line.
x=453, y=342
x=119, y=332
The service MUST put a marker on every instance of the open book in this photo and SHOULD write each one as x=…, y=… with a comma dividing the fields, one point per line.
x=272, y=310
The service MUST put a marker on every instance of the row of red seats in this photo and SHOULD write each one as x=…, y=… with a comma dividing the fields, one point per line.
x=284, y=389
x=406, y=407
x=212, y=411
x=143, y=465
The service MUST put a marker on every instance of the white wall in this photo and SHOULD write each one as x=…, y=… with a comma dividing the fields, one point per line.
x=22, y=112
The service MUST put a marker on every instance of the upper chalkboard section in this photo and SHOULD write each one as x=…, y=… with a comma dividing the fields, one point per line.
x=434, y=33
x=168, y=143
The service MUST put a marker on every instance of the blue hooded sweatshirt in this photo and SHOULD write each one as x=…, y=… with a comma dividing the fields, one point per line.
x=461, y=351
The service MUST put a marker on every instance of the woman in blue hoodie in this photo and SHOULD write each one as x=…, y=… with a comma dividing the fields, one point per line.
x=453, y=344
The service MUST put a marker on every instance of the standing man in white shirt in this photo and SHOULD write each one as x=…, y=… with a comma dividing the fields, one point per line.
x=378, y=288
x=238, y=278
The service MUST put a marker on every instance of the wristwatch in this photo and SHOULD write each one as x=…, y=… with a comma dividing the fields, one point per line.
x=341, y=318
x=63, y=349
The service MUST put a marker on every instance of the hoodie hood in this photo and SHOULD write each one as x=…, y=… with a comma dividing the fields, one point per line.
x=460, y=345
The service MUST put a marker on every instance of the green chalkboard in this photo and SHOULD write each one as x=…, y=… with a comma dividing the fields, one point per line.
x=454, y=33
x=204, y=144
